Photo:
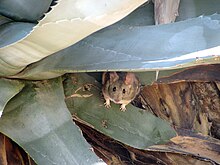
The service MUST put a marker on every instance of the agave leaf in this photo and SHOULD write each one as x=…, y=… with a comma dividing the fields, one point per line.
x=11, y=32
x=14, y=31
x=142, y=16
x=38, y=120
x=4, y=20
x=194, y=8
x=135, y=127
x=67, y=23
x=24, y=10
x=137, y=48
x=8, y=88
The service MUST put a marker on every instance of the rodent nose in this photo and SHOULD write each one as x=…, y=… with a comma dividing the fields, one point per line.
x=116, y=100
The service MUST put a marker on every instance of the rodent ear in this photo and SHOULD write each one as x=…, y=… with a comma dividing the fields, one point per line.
x=129, y=78
x=113, y=76
x=104, y=77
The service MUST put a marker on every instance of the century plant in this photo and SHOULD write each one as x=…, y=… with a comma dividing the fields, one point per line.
x=47, y=48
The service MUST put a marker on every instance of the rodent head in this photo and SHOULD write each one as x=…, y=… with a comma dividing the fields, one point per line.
x=122, y=88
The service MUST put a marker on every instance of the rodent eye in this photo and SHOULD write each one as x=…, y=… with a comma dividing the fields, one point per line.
x=114, y=89
x=123, y=91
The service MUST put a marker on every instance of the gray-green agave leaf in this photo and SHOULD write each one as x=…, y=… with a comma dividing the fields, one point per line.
x=24, y=10
x=8, y=88
x=137, y=48
x=66, y=23
x=39, y=121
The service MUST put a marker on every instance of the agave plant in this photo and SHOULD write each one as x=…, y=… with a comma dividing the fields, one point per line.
x=52, y=54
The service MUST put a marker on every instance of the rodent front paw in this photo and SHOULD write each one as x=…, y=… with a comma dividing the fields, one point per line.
x=107, y=105
x=123, y=108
